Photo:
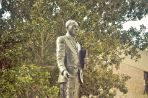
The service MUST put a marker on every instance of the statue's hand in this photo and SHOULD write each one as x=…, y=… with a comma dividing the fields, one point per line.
x=66, y=74
x=86, y=61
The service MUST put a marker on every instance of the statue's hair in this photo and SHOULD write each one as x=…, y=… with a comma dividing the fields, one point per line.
x=71, y=22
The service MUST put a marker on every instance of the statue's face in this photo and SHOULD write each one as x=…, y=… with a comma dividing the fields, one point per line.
x=72, y=29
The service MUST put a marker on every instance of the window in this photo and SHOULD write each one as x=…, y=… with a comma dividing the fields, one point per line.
x=146, y=82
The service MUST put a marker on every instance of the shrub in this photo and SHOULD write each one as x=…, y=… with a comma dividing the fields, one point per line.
x=27, y=81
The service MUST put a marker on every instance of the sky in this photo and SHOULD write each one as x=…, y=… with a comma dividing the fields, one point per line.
x=137, y=24
x=0, y=4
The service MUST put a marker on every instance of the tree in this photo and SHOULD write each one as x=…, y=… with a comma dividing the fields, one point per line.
x=26, y=81
x=100, y=32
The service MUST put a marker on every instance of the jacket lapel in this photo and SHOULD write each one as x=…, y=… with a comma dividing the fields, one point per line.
x=72, y=45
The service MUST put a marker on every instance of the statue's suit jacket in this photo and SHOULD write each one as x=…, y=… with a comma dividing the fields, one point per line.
x=67, y=51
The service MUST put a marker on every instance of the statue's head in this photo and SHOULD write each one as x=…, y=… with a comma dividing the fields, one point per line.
x=72, y=27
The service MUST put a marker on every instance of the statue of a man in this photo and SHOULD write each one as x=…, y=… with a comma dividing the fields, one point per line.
x=70, y=71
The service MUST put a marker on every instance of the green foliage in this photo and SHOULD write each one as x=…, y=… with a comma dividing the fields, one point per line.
x=40, y=43
x=27, y=81
x=11, y=44
x=103, y=82
x=136, y=37
x=103, y=57
x=30, y=33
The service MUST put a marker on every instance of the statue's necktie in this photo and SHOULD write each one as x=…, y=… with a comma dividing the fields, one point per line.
x=74, y=43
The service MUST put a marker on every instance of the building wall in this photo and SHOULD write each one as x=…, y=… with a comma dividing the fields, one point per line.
x=136, y=83
x=135, y=70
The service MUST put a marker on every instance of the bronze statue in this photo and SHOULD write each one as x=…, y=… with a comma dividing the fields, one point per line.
x=69, y=59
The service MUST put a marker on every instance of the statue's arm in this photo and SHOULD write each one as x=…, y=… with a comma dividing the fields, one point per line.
x=60, y=53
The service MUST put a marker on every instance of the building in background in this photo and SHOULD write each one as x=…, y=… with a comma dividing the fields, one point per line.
x=138, y=71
